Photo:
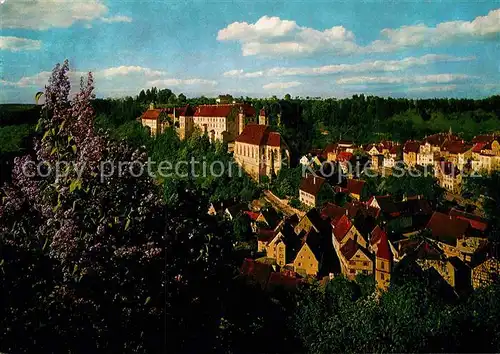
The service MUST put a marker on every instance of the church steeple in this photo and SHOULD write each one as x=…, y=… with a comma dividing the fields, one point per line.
x=383, y=263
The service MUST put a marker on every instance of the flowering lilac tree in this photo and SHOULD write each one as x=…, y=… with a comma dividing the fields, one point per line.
x=82, y=256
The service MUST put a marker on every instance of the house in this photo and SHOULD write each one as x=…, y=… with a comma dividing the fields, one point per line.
x=330, y=152
x=312, y=220
x=268, y=217
x=485, y=272
x=221, y=122
x=377, y=161
x=264, y=237
x=454, y=236
x=252, y=216
x=355, y=188
x=331, y=212
x=436, y=142
x=156, y=120
x=311, y=257
x=457, y=152
x=383, y=263
x=453, y=270
x=476, y=222
x=410, y=150
x=489, y=157
x=234, y=211
x=392, y=157
x=310, y=188
x=354, y=259
x=427, y=158
x=449, y=176
x=344, y=230
x=261, y=151
x=283, y=246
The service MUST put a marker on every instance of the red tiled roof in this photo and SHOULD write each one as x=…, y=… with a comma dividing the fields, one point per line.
x=456, y=147
x=376, y=235
x=252, y=215
x=383, y=250
x=349, y=249
x=330, y=148
x=152, y=114
x=311, y=184
x=256, y=134
x=411, y=146
x=223, y=110
x=259, y=271
x=486, y=138
x=355, y=186
x=265, y=235
x=342, y=226
x=440, y=139
x=185, y=111
x=447, y=228
x=344, y=156
x=281, y=279
x=478, y=147
x=476, y=222
x=332, y=211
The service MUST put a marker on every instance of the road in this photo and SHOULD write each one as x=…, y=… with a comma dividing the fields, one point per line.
x=279, y=204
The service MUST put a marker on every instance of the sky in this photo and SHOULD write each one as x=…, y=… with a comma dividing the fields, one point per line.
x=256, y=48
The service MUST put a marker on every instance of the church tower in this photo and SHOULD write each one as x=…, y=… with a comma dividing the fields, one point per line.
x=383, y=263
x=263, y=119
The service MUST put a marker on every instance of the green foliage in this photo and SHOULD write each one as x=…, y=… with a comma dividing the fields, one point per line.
x=13, y=137
x=242, y=229
x=287, y=182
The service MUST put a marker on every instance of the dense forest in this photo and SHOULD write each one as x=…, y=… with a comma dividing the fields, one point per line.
x=137, y=265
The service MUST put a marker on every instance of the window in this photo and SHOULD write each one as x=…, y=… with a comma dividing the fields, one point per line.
x=300, y=264
x=382, y=276
x=382, y=265
x=352, y=271
x=365, y=263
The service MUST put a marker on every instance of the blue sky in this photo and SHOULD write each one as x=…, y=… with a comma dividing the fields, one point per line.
x=254, y=48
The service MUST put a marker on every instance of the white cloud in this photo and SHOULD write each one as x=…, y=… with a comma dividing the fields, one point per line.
x=417, y=35
x=281, y=85
x=16, y=44
x=366, y=66
x=437, y=88
x=128, y=70
x=272, y=36
x=44, y=14
x=181, y=82
x=419, y=79
x=118, y=18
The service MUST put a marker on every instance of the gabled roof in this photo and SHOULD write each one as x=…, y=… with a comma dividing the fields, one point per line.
x=350, y=248
x=376, y=235
x=478, y=147
x=485, y=138
x=256, y=134
x=223, y=110
x=355, y=186
x=475, y=221
x=271, y=217
x=280, y=279
x=440, y=138
x=411, y=146
x=236, y=209
x=385, y=203
x=312, y=184
x=330, y=148
x=344, y=156
x=251, y=214
x=383, y=250
x=186, y=111
x=341, y=227
x=152, y=114
x=456, y=147
x=447, y=228
x=314, y=240
x=414, y=206
x=332, y=211
x=315, y=219
x=265, y=235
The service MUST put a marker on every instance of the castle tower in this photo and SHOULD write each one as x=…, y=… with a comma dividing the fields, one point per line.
x=241, y=120
x=263, y=120
x=383, y=263
x=151, y=105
